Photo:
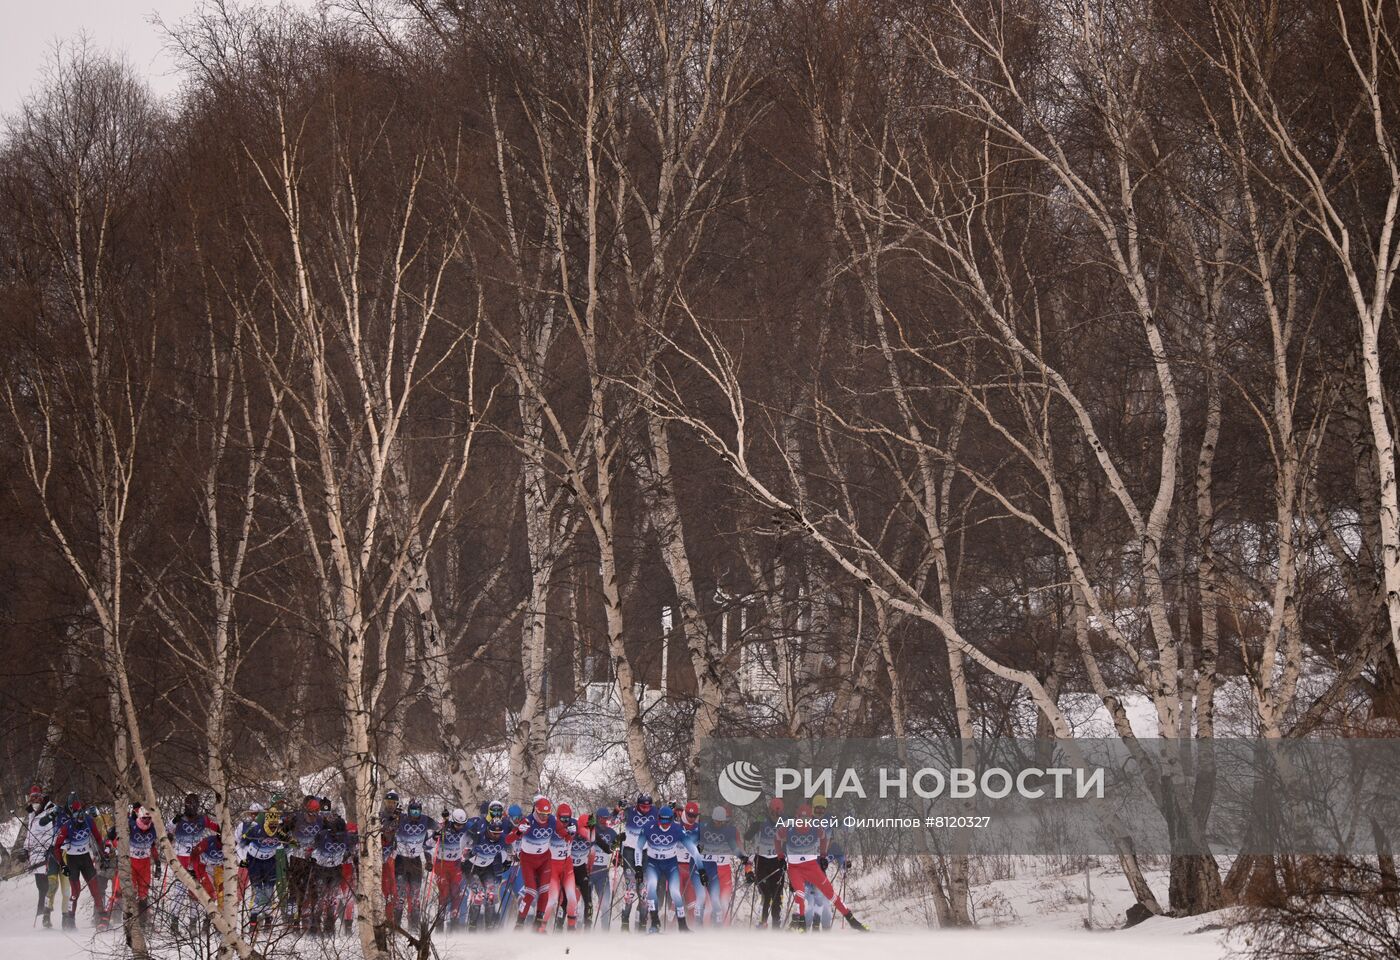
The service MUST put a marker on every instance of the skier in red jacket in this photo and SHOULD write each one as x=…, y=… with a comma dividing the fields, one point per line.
x=804, y=846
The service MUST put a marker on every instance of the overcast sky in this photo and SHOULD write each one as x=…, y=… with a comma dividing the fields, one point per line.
x=30, y=28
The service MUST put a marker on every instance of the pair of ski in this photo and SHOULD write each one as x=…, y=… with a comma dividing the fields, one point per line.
x=792, y=904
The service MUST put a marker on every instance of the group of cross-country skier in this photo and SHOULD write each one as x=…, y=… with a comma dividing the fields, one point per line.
x=537, y=866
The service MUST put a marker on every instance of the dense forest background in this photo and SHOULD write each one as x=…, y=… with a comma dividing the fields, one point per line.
x=964, y=369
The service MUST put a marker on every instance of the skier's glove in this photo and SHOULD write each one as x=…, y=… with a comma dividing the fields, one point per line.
x=822, y=862
x=704, y=877
x=748, y=875
x=156, y=868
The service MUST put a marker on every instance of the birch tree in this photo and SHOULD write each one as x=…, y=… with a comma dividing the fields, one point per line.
x=364, y=336
x=235, y=456
x=1361, y=236
x=863, y=242
x=1103, y=190
x=567, y=121
x=686, y=71
x=78, y=402
x=527, y=347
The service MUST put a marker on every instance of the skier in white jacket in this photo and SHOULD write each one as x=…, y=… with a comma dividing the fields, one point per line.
x=41, y=823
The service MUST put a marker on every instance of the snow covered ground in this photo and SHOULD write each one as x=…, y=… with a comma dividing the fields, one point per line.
x=1036, y=913
x=1149, y=941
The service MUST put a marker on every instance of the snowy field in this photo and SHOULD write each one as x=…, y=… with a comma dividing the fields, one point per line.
x=1031, y=915
x=1164, y=939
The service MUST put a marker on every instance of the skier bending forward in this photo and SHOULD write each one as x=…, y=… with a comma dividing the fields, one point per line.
x=804, y=846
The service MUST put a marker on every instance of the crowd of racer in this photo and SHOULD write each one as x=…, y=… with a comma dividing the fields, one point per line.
x=504, y=866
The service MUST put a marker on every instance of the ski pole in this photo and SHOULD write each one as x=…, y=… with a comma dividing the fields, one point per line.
x=507, y=885
x=787, y=913
x=619, y=893
x=426, y=894
x=615, y=889
x=732, y=907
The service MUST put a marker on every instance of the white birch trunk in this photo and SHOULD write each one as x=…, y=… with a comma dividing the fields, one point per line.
x=437, y=670
x=604, y=525
x=1366, y=34
x=543, y=543
x=666, y=520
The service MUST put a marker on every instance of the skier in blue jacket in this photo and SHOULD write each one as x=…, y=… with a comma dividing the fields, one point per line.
x=635, y=821
x=661, y=842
